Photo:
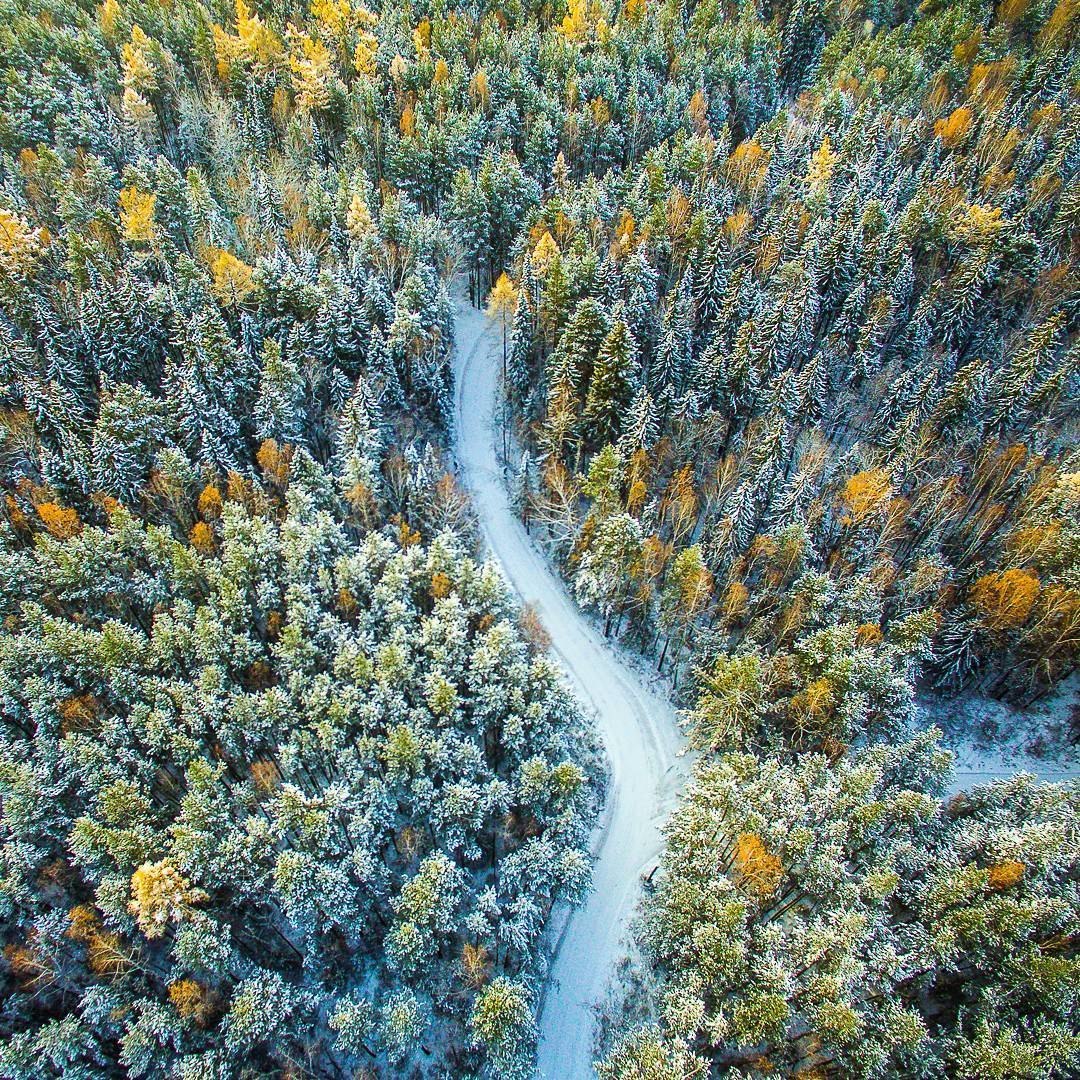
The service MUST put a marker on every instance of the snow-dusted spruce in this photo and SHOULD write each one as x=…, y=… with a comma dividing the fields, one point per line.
x=278, y=797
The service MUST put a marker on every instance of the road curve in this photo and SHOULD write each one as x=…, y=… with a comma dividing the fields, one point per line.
x=636, y=724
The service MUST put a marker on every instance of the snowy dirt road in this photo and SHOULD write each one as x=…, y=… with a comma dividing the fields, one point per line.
x=636, y=724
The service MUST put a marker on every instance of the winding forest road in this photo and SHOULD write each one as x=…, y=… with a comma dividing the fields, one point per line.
x=636, y=724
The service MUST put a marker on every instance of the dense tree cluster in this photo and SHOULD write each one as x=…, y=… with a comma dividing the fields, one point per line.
x=287, y=786
x=789, y=301
x=837, y=919
x=187, y=261
x=835, y=355
x=798, y=404
x=273, y=796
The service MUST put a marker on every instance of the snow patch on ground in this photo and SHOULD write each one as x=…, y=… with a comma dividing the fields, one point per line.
x=992, y=739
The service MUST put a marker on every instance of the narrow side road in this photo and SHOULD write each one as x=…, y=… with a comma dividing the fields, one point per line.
x=636, y=724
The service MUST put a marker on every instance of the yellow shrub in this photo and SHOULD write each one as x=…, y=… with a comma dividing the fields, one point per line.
x=757, y=868
x=61, y=521
x=1005, y=598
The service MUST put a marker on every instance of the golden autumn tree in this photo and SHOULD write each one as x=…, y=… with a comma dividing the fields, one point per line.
x=194, y=1001
x=687, y=591
x=1004, y=599
x=233, y=280
x=137, y=214
x=201, y=538
x=953, y=129
x=61, y=521
x=20, y=245
x=755, y=867
x=501, y=305
x=160, y=896
x=864, y=494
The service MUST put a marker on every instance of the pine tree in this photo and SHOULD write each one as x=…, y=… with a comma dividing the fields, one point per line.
x=611, y=384
x=502, y=1022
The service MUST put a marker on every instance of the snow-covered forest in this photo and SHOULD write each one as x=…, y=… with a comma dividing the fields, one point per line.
x=417, y=419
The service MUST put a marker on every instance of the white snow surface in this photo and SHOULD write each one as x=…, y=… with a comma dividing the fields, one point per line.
x=993, y=740
x=636, y=723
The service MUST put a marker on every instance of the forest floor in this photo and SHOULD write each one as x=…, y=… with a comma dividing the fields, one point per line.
x=992, y=739
x=637, y=724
